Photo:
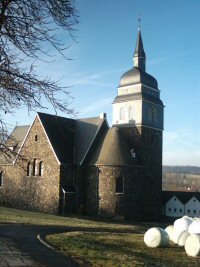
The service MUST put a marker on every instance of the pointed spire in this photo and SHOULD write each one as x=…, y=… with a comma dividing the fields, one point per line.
x=139, y=54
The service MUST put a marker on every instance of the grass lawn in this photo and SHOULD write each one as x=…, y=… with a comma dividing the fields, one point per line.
x=103, y=242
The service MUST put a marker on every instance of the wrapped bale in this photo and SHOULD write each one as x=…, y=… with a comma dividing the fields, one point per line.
x=176, y=236
x=170, y=230
x=194, y=227
x=156, y=237
x=192, y=245
x=182, y=224
x=182, y=238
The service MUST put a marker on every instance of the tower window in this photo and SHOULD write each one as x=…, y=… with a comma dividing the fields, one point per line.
x=130, y=113
x=28, y=169
x=122, y=113
x=120, y=185
x=36, y=137
x=41, y=168
x=34, y=167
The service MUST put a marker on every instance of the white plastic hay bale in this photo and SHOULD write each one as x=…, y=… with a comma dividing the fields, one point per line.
x=156, y=237
x=170, y=230
x=194, y=227
x=192, y=245
x=176, y=236
x=182, y=238
x=182, y=224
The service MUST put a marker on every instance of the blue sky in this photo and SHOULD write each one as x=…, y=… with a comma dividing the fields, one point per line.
x=106, y=38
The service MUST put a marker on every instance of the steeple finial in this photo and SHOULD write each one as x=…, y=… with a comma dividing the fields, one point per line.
x=139, y=54
x=139, y=23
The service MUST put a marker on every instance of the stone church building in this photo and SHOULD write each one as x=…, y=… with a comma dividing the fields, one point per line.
x=82, y=165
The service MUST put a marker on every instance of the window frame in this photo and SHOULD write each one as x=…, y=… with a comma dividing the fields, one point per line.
x=41, y=169
x=122, y=113
x=35, y=167
x=28, y=169
x=117, y=191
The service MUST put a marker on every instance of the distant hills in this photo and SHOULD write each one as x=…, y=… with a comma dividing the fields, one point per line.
x=181, y=178
x=182, y=169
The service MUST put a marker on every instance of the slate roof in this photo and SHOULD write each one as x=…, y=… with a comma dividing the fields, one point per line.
x=15, y=140
x=184, y=197
x=60, y=131
x=86, y=130
x=139, y=49
x=112, y=150
x=70, y=138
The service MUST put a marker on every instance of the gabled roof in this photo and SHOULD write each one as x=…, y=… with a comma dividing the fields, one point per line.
x=14, y=142
x=85, y=132
x=70, y=139
x=112, y=150
x=60, y=132
x=184, y=197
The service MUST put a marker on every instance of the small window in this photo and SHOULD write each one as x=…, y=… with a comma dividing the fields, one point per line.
x=1, y=179
x=180, y=210
x=188, y=211
x=194, y=200
x=169, y=209
x=122, y=113
x=34, y=167
x=133, y=153
x=41, y=168
x=174, y=199
x=194, y=211
x=28, y=169
x=36, y=137
x=174, y=210
x=119, y=185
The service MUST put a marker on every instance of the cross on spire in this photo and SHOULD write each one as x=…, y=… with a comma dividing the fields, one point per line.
x=139, y=23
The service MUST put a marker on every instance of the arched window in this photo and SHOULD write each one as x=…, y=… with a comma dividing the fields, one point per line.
x=34, y=167
x=1, y=179
x=41, y=168
x=130, y=113
x=28, y=169
x=36, y=137
x=122, y=114
x=120, y=185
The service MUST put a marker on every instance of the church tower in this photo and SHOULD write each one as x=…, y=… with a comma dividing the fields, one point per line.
x=138, y=114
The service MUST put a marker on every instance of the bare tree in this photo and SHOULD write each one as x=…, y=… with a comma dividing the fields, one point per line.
x=27, y=28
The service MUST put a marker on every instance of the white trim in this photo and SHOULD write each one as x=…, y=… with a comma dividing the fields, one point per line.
x=130, y=85
x=142, y=125
x=23, y=143
x=37, y=116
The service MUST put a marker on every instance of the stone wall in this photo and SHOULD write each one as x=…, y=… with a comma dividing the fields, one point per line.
x=148, y=147
x=40, y=193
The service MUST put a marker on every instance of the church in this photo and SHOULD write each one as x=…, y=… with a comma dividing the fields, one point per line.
x=65, y=165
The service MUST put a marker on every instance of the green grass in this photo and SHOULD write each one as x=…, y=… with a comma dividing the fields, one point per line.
x=103, y=242
x=119, y=250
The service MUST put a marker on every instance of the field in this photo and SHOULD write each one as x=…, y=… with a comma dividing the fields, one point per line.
x=95, y=242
